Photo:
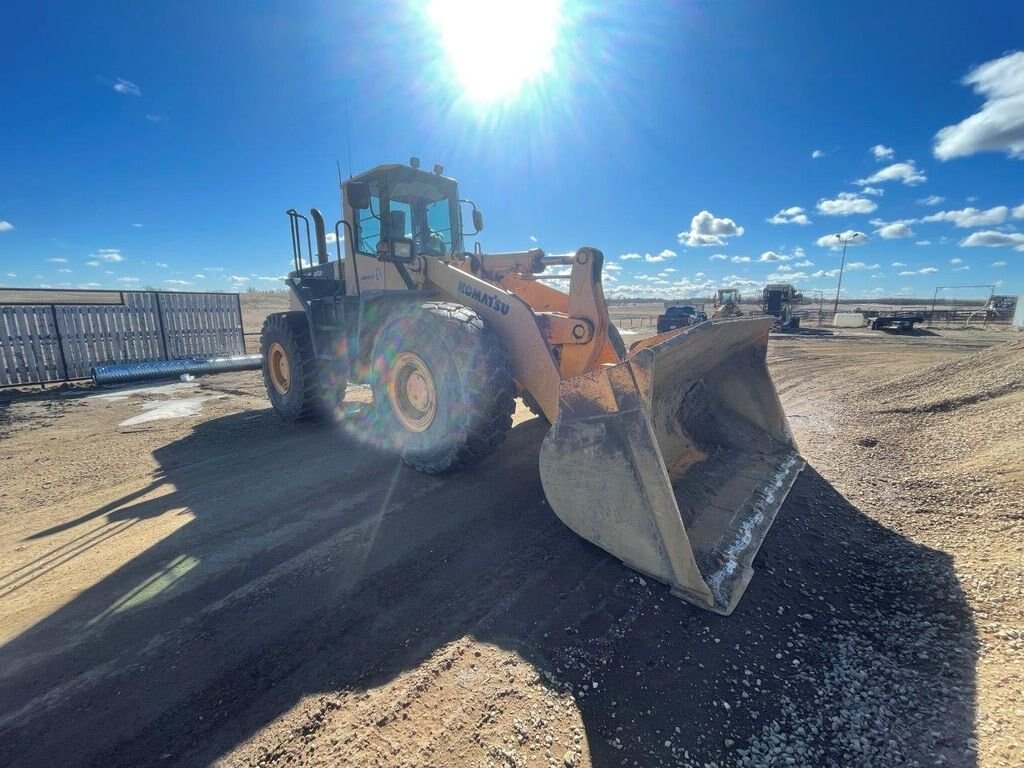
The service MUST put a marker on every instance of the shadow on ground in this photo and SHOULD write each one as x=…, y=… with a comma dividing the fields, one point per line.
x=315, y=564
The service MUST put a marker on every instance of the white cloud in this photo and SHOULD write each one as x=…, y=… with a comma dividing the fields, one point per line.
x=612, y=267
x=664, y=255
x=11, y=274
x=630, y=256
x=735, y=281
x=161, y=264
x=718, y=257
x=964, y=268
x=898, y=264
x=922, y=271
x=92, y=263
x=787, y=276
x=989, y=238
x=906, y=172
x=65, y=270
x=6, y=226
x=127, y=279
x=956, y=261
x=999, y=125
x=201, y=276
x=845, y=204
x=893, y=230
x=156, y=118
x=923, y=242
x=137, y=225
x=876, y=191
x=668, y=270
x=859, y=265
x=882, y=152
x=773, y=256
x=817, y=154
x=994, y=264
x=708, y=229
x=794, y=215
x=533, y=238
x=835, y=242
x=804, y=263
x=57, y=260
x=932, y=200
x=238, y=279
x=107, y=254
x=971, y=217
x=877, y=276
x=1018, y=212
x=739, y=259
x=88, y=285
x=177, y=282
x=127, y=88
x=826, y=273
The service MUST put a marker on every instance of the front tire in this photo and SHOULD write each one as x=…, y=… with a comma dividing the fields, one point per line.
x=442, y=387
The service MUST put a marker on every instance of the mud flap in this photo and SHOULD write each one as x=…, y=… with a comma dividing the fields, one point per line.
x=677, y=460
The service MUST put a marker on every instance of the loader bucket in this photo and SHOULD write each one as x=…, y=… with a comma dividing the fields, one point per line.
x=677, y=459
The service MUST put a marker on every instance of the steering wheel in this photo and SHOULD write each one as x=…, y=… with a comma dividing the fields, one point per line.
x=429, y=240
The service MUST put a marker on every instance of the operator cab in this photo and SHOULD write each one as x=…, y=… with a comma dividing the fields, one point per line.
x=400, y=211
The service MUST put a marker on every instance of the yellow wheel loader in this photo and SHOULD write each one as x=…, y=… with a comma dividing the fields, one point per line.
x=727, y=303
x=674, y=457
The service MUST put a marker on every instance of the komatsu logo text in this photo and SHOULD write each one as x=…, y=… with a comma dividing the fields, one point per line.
x=489, y=300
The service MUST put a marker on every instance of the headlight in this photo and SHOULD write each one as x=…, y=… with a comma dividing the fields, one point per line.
x=402, y=250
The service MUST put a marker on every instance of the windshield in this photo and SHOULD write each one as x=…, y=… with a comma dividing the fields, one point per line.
x=439, y=224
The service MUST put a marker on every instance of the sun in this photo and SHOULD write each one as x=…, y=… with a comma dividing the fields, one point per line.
x=495, y=48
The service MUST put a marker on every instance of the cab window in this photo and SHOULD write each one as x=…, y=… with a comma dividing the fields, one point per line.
x=369, y=226
x=439, y=222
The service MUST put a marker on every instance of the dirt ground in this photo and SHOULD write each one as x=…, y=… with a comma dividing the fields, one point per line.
x=186, y=580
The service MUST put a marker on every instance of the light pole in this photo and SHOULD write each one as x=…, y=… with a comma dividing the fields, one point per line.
x=842, y=264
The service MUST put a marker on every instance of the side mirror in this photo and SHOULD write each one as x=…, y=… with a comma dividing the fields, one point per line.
x=478, y=220
x=358, y=194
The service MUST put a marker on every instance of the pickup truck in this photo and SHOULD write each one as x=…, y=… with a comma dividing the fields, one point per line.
x=679, y=317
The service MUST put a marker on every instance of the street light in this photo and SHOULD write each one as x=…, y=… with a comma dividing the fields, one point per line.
x=842, y=264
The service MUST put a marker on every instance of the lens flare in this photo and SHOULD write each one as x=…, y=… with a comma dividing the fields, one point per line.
x=496, y=47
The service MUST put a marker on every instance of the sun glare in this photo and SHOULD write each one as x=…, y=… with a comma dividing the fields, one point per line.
x=496, y=47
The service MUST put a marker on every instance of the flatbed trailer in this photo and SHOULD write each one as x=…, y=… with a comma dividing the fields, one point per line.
x=896, y=321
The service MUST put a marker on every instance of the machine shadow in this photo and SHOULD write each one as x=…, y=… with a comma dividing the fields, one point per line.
x=315, y=564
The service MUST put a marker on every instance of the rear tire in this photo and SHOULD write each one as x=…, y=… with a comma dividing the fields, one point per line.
x=290, y=370
x=442, y=387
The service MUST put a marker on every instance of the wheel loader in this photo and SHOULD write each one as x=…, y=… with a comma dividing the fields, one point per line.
x=673, y=456
x=727, y=303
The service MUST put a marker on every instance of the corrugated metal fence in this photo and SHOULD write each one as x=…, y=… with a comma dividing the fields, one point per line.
x=47, y=342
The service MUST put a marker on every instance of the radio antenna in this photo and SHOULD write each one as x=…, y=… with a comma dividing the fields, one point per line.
x=348, y=139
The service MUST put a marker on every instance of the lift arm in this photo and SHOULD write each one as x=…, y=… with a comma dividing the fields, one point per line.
x=531, y=336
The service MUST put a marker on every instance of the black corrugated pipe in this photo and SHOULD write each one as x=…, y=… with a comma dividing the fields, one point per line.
x=163, y=369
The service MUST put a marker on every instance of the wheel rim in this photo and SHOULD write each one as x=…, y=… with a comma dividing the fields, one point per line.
x=279, y=368
x=412, y=392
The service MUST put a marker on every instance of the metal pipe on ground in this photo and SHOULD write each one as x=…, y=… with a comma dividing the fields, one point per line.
x=162, y=369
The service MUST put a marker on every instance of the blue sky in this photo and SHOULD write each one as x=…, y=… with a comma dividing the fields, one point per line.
x=145, y=144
